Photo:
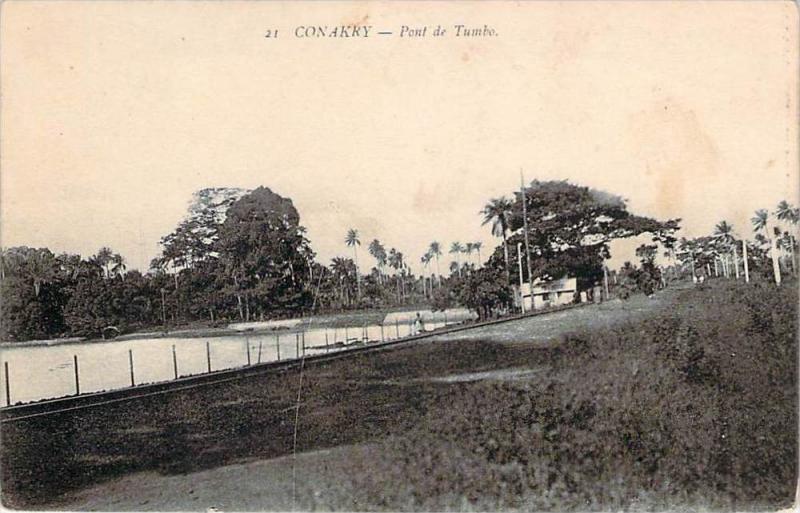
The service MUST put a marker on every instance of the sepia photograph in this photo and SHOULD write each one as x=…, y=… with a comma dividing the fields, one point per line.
x=399, y=256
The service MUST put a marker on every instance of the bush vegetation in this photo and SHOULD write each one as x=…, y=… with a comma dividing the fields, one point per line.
x=692, y=408
x=686, y=400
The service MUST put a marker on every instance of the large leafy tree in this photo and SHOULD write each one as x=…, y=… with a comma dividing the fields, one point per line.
x=33, y=295
x=264, y=255
x=194, y=239
x=570, y=227
x=484, y=291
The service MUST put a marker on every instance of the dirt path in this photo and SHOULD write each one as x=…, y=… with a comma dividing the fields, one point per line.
x=250, y=486
x=548, y=327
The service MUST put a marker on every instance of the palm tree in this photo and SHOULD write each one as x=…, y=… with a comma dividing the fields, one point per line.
x=723, y=232
x=468, y=249
x=785, y=243
x=498, y=212
x=688, y=250
x=761, y=223
x=341, y=269
x=457, y=248
x=378, y=252
x=477, y=247
x=435, y=249
x=42, y=269
x=426, y=261
x=790, y=215
x=118, y=265
x=785, y=212
x=396, y=263
x=103, y=258
x=353, y=241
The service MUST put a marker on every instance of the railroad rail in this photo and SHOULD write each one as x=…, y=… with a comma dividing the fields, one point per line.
x=47, y=407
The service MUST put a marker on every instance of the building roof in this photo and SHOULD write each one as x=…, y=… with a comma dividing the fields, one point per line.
x=563, y=284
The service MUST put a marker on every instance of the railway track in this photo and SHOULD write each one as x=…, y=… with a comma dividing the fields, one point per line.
x=47, y=407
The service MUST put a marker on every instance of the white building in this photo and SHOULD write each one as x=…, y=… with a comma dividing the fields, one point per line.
x=548, y=293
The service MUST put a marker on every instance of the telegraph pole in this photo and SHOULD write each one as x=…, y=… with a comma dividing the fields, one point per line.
x=519, y=264
x=773, y=251
x=744, y=257
x=525, y=228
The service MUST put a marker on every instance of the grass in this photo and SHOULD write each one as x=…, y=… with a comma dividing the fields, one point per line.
x=686, y=400
x=692, y=408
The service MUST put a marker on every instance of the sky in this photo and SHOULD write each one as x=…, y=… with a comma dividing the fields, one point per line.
x=114, y=113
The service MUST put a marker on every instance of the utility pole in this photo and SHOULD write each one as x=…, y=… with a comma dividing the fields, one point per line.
x=525, y=228
x=163, y=308
x=744, y=257
x=519, y=264
x=773, y=252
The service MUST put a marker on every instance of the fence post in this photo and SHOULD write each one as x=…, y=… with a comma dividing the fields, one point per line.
x=303, y=341
x=208, y=355
x=174, y=361
x=259, y=350
x=278, y=345
x=345, y=334
x=297, y=345
x=247, y=339
x=397, y=327
x=8, y=390
x=381, y=331
x=77, y=380
x=130, y=362
x=326, y=337
x=445, y=318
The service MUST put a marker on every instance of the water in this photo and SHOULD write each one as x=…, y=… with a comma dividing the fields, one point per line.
x=45, y=372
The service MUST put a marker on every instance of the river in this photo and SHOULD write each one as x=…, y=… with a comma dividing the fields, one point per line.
x=45, y=372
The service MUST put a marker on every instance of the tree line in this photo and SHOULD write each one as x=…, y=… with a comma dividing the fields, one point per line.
x=243, y=255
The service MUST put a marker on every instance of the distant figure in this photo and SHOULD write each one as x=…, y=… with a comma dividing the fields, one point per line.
x=694, y=279
x=419, y=326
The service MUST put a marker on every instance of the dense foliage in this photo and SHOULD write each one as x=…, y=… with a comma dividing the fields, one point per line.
x=237, y=255
x=694, y=408
x=242, y=255
x=569, y=228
